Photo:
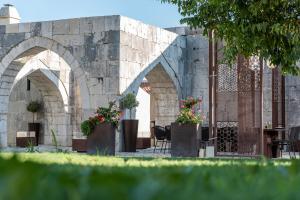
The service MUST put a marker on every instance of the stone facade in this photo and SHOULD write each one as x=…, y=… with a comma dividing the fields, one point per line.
x=79, y=64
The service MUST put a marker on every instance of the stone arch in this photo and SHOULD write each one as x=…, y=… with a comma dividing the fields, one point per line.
x=52, y=77
x=54, y=115
x=15, y=59
x=165, y=91
x=160, y=61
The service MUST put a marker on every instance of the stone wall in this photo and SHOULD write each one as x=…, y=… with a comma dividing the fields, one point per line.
x=90, y=46
x=18, y=116
x=157, y=55
x=267, y=95
x=292, y=101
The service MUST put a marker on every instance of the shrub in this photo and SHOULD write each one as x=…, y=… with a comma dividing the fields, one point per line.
x=129, y=102
x=103, y=115
x=33, y=107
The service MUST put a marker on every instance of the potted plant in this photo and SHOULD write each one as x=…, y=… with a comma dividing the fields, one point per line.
x=34, y=107
x=129, y=126
x=186, y=131
x=101, y=130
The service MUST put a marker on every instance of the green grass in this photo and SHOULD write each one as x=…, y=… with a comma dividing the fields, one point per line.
x=73, y=176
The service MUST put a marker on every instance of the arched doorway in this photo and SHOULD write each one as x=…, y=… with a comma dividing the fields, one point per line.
x=15, y=60
x=164, y=98
x=38, y=86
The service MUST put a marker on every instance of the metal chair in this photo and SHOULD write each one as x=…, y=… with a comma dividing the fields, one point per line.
x=205, y=141
x=168, y=137
x=159, y=136
x=292, y=143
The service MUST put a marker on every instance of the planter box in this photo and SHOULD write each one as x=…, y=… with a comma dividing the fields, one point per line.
x=36, y=128
x=102, y=140
x=25, y=141
x=130, y=131
x=79, y=144
x=143, y=143
x=185, y=140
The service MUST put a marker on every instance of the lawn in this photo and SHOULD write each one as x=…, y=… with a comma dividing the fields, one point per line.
x=73, y=176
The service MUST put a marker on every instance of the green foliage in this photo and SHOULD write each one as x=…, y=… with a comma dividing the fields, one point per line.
x=55, y=143
x=270, y=29
x=30, y=147
x=103, y=115
x=129, y=101
x=189, y=114
x=33, y=106
x=74, y=176
x=87, y=127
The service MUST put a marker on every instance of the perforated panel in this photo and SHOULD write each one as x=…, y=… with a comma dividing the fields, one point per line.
x=227, y=133
x=227, y=78
x=237, y=101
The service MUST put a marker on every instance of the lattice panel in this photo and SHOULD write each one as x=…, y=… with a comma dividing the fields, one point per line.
x=227, y=78
x=227, y=133
x=278, y=110
x=245, y=75
x=255, y=64
x=277, y=87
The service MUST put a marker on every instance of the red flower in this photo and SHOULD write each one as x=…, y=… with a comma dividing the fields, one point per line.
x=101, y=118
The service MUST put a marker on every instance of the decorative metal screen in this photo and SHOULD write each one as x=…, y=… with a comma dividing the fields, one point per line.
x=227, y=137
x=236, y=104
x=278, y=99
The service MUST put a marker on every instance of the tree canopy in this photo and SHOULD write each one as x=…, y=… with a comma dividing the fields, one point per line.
x=266, y=28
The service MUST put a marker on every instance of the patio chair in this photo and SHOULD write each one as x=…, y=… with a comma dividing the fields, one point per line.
x=205, y=141
x=159, y=136
x=168, y=138
x=292, y=142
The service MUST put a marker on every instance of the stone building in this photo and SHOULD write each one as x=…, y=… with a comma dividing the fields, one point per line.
x=75, y=65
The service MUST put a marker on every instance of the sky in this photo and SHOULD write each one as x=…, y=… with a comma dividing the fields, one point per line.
x=149, y=11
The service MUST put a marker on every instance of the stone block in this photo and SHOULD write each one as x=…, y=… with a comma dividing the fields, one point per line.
x=69, y=40
x=137, y=43
x=111, y=37
x=112, y=69
x=12, y=28
x=129, y=25
x=69, y=27
x=112, y=23
x=2, y=29
x=98, y=24
x=113, y=52
x=111, y=85
x=125, y=38
x=24, y=27
x=47, y=28
x=86, y=25
x=142, y=30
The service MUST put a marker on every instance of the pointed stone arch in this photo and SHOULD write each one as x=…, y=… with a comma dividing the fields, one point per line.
x=15, y=59
x=160, y=61
x=165, y=91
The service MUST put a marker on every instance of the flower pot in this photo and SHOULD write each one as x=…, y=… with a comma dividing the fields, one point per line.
x=36, y=128
x=130, y=131
x=185, y=140
x=79, y=144
x=102, y=140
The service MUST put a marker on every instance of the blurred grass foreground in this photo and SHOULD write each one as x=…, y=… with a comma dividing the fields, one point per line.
x=74, y=176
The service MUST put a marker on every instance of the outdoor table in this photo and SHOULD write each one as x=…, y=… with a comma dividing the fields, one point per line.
x=270, y=135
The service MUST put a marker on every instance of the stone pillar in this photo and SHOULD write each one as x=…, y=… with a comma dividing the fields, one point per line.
x=3, y=132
